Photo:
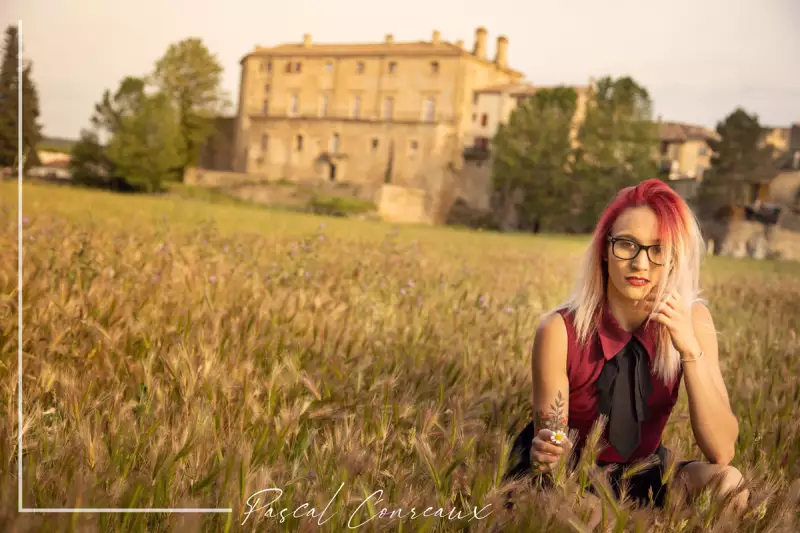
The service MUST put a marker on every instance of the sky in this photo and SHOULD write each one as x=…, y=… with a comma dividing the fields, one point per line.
x=698, y=60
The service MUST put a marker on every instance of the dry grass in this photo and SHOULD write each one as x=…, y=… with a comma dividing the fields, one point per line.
x=179, y=354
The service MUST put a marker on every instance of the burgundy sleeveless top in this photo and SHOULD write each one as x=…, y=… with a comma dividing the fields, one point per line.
x=584, y=365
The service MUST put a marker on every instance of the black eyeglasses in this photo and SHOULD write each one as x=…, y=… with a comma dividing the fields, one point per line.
x=628, y=250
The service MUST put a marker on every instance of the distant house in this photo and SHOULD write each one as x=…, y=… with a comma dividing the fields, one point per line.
x=684, y=150
x=54, y=159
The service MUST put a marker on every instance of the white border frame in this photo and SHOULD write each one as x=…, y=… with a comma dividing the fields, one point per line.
x=22, y=509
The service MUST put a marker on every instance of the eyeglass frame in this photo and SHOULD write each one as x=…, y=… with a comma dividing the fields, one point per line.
x=639, y=248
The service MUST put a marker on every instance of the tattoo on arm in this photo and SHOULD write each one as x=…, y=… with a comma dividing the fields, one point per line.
x=554, y=420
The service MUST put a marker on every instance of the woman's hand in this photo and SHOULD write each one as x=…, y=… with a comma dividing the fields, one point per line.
x=676, y=317
x=545, y=453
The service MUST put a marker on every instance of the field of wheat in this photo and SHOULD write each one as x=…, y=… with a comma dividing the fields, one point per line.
x=183, y=354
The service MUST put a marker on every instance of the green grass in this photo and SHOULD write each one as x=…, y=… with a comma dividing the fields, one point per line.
x=185, y=353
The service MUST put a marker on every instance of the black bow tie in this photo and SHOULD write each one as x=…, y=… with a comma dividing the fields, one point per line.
x=624, y=387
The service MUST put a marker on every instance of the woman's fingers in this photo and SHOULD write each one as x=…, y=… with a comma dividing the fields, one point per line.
x=543, y=459
x=546, y=447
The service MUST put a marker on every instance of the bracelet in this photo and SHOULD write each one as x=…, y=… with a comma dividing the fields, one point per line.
x=693, y=360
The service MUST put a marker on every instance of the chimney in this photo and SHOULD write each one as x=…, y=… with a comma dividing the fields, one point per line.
x=460, y=43
x=306, y=40
x=501, y=58
x=389, y=38
x=436, y=37
x=480, y=43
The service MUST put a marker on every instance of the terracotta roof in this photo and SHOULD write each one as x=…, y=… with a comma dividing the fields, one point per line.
x=680, y=132
x=412, y=48
x=335, y=49
x=515, y=89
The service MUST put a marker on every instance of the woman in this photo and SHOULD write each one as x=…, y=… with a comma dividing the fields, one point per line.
x=620, y=345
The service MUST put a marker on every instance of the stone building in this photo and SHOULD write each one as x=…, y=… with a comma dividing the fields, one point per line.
x=684, y=151
x=217, y=151
x=494, y=105
x=388, y=112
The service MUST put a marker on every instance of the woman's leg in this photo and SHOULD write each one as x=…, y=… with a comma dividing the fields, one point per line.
x=695, y=476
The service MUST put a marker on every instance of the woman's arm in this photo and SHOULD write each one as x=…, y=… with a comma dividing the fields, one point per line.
x=714, y=425
x=549, y=372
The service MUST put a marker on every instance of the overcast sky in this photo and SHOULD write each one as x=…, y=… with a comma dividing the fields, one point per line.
x=698, y=59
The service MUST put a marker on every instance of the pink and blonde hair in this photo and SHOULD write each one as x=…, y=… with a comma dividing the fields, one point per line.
x=680, y=234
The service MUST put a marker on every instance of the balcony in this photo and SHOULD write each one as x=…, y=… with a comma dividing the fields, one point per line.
x=476, y=153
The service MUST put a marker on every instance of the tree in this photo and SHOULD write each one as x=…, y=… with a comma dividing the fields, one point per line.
x=89, y=164
x=531, y=158
x=9, y=106
x=190, y=77
x=617, y=141
x=109, y=112
x=740, y=159
x=147, y=144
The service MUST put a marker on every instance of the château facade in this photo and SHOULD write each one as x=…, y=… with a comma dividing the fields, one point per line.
x=374, y=112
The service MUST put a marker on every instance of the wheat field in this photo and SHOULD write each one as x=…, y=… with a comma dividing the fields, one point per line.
x=183, y=354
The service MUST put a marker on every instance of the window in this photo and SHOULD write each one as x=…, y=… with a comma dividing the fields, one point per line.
x=329, y=66
x=374, y=144
x=430, y=109
x=484, y=119
x=269, y=67
x=434, y=67
x=474, y=117
x=294, y=105
x=356, y=106
x=388, y=108
x=413, y=147
x=265, y=106
x=298, y=67
x=703, y=151
x=335, y=143
x=264, y=142
x=392, y=67
x=481, y=143
x=324, y=110
x=299, y=143
x=266, y=88
x=475, y=99
x=360, y=67
x=288, y=67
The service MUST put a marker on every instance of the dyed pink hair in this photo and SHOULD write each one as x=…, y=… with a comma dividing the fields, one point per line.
x=681, y=238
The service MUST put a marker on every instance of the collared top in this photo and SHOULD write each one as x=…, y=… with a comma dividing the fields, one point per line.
x=584, y=366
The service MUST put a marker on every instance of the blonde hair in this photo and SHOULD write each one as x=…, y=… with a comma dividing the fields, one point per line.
x=681, y=237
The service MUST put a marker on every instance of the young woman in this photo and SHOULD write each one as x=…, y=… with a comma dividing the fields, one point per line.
x=620, y=345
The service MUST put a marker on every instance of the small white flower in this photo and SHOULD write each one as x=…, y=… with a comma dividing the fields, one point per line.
x=558, y=437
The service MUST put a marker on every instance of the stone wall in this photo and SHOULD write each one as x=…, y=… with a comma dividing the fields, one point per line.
x=474, y=184
x=745, y=238
x=394, y=203
x=403, y=204
x=218, y=178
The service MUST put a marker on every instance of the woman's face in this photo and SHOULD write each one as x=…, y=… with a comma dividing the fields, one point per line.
x=632, y=275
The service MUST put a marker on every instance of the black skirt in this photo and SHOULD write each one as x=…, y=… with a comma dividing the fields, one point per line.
x=639, y=485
